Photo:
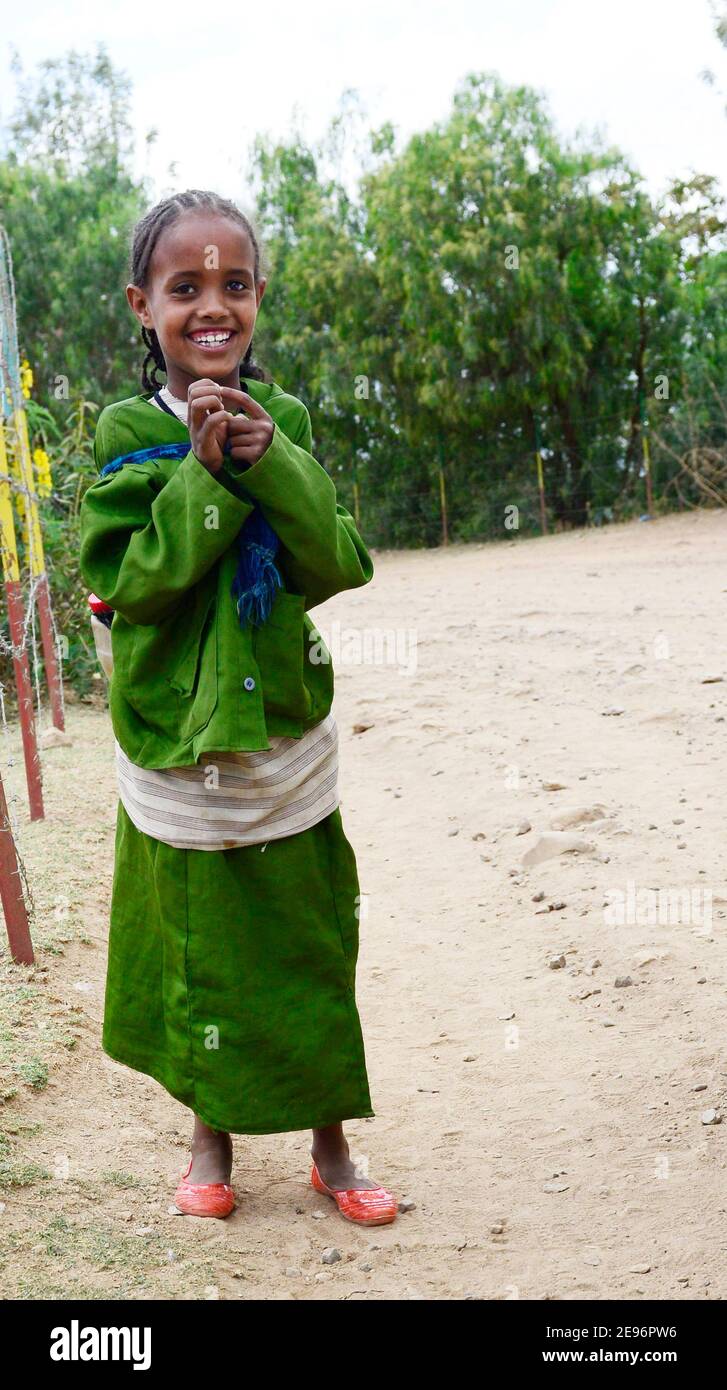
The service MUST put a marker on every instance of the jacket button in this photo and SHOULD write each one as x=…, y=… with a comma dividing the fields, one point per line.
x=249, y=682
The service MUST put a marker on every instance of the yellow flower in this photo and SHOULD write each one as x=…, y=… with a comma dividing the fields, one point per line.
x=42, y=472
x=26, y=377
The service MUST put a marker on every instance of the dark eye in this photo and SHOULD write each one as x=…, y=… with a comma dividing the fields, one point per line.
x=239, y=284
x=184, y=286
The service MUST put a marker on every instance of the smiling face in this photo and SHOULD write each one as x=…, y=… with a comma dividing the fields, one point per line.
x=200, y=298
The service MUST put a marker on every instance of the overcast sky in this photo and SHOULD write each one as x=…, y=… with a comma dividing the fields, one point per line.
x=209, y=77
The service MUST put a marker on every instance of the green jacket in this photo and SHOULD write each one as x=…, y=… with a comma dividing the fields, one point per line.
x=158, y=545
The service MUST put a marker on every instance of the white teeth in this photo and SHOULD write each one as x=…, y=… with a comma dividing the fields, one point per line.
x=213, y=339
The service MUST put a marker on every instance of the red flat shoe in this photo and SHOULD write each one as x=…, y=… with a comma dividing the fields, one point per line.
x=367, y=1206
x=203, y=1198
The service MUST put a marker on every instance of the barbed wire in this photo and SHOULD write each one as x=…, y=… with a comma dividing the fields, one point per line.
x=22, y=554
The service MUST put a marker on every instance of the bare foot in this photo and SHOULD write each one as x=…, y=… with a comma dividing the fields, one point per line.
x=331, y=1156
x=211, y=1152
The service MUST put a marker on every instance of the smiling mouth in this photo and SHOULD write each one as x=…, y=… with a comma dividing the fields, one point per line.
x=212, y=340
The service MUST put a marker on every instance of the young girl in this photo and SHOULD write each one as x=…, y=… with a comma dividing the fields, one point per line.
x=210, y=533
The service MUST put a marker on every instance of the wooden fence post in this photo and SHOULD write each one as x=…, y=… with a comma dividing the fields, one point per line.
x=11, y=891
x=16, y=621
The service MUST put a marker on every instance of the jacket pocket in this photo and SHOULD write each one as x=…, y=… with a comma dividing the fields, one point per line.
x=279, y=650
x=168, y=672
x=185, y=671
x=194, y=674
x=317, y=670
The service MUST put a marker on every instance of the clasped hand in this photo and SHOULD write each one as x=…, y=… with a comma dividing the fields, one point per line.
x=211, y=426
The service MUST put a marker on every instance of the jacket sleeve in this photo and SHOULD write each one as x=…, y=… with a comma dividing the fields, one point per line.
x=142, y=547
x=324, y=552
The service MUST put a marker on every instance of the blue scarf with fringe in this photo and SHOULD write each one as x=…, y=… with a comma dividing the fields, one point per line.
x=257, y=576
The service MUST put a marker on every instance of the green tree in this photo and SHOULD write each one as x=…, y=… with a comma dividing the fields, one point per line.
x=68, y=200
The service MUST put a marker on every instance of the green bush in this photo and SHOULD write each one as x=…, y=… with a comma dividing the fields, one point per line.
x=70, y=450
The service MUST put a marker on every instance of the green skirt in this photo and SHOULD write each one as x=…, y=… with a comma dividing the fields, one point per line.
x=231, y=977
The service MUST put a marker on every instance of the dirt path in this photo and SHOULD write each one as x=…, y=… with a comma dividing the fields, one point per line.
x=547, y=1124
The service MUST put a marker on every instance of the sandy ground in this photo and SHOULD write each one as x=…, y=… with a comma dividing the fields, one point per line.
x=547, y=1123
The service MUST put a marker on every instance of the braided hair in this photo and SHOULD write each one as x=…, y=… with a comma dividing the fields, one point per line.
x=145, y=237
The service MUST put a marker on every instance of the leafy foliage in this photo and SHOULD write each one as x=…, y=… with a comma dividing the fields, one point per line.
x=444, y=310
